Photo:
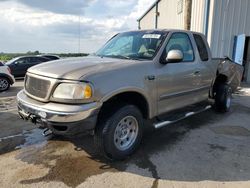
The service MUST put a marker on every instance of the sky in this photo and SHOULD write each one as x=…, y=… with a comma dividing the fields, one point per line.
x=52, y=26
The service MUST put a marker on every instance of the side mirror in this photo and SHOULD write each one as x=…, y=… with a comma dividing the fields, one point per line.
x=174, y=56
x=16, y=63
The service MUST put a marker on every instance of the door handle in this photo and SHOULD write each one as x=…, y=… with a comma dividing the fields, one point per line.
x=150, y=77
x=196, y=72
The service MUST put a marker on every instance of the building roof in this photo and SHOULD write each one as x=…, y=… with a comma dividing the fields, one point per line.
x=150, y=8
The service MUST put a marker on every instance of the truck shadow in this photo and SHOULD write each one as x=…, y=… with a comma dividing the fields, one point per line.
x=163, y=154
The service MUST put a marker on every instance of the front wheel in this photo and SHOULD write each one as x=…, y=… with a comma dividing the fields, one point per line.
x=118, y=135
x=223, y=98
x=4, y=84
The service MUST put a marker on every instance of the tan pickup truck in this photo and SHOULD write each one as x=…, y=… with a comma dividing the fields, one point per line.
x=161, y=75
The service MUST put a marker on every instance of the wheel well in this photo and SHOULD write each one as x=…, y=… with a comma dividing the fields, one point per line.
x=220, y=79
x=5, y=76
x=134, y=98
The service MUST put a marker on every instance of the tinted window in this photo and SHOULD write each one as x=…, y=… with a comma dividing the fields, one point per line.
x=201, y=47
x=38, y=59
x=41, y=59
x=23, y=60
x=51, y=57
x=35, y=60
x=181, y=41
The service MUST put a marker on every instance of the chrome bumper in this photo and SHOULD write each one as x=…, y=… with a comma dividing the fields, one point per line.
x=55, y=112
x=12, y=79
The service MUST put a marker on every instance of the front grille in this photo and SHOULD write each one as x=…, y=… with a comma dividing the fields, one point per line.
x=36, y=87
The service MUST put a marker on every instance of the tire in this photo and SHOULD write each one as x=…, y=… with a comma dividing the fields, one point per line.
x=4, y=84
x=119, y=134
x=223, y=98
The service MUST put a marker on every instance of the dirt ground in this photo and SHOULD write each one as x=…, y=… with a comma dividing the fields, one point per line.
x=206, y=150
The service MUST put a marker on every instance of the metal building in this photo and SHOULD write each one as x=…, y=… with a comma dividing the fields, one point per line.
x=226, y=23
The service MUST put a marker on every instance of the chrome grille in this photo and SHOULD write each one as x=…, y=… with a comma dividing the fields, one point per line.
x=36, y=86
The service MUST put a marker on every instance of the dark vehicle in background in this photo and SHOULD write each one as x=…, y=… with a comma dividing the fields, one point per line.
x=20, y=65
x=49, y=56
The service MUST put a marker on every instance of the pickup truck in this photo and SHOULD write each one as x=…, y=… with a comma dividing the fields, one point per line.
x=161, y=76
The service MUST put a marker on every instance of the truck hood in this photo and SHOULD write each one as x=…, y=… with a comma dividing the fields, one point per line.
x=77, y=68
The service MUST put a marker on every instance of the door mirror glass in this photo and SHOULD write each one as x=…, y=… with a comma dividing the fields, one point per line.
x=174, y=56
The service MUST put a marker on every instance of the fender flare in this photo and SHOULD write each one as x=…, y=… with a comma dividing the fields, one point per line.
x=8, y=77
x=127, y=90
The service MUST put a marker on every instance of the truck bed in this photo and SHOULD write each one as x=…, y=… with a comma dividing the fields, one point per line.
x=230, y=69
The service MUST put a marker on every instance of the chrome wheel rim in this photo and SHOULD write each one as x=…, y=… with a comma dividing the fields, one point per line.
x=3, y=84
x=126, y=133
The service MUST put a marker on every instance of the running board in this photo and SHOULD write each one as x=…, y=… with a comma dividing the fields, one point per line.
x=167, y=122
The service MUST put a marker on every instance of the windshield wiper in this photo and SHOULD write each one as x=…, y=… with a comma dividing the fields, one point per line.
x=122, y=57
x=117, y=56
x=137, y=58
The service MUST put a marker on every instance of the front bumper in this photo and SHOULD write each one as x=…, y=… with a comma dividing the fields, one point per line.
x=12, y=79
x=63, y=119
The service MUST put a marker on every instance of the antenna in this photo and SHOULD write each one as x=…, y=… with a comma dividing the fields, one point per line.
x=79, y=29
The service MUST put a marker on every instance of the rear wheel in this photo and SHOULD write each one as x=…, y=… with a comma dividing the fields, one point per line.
x=118, y=135
x=4, y=84
x=223, y=97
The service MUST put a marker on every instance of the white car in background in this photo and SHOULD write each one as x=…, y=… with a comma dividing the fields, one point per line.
x=6, y=78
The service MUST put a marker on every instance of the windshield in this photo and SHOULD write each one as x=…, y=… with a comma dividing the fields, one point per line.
x=11, y=61
x=133, y=45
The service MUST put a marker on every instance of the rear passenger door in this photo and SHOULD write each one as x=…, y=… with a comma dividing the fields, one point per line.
x=205, y=66
x=177, y=82
x=32, y=61
x=37, y=60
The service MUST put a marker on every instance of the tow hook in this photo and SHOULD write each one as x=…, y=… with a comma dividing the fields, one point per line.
x=33, y=119
x=47, y=132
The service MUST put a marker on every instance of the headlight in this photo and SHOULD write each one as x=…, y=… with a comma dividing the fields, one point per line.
x=73, y=91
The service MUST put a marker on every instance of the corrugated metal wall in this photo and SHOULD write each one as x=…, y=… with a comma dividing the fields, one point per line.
x=197, y=16
x=148, y=21
x=230, y=18
x=227, y=18
x=171, y=14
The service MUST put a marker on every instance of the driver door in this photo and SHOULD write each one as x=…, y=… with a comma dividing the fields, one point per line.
x=176, y=81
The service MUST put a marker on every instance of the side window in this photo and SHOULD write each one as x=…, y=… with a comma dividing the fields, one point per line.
x=41, y=59
x=22, y=61
x=181, y=41
x=201, y=47
x=36, y=60
x=51, y=57
x=33, y=60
